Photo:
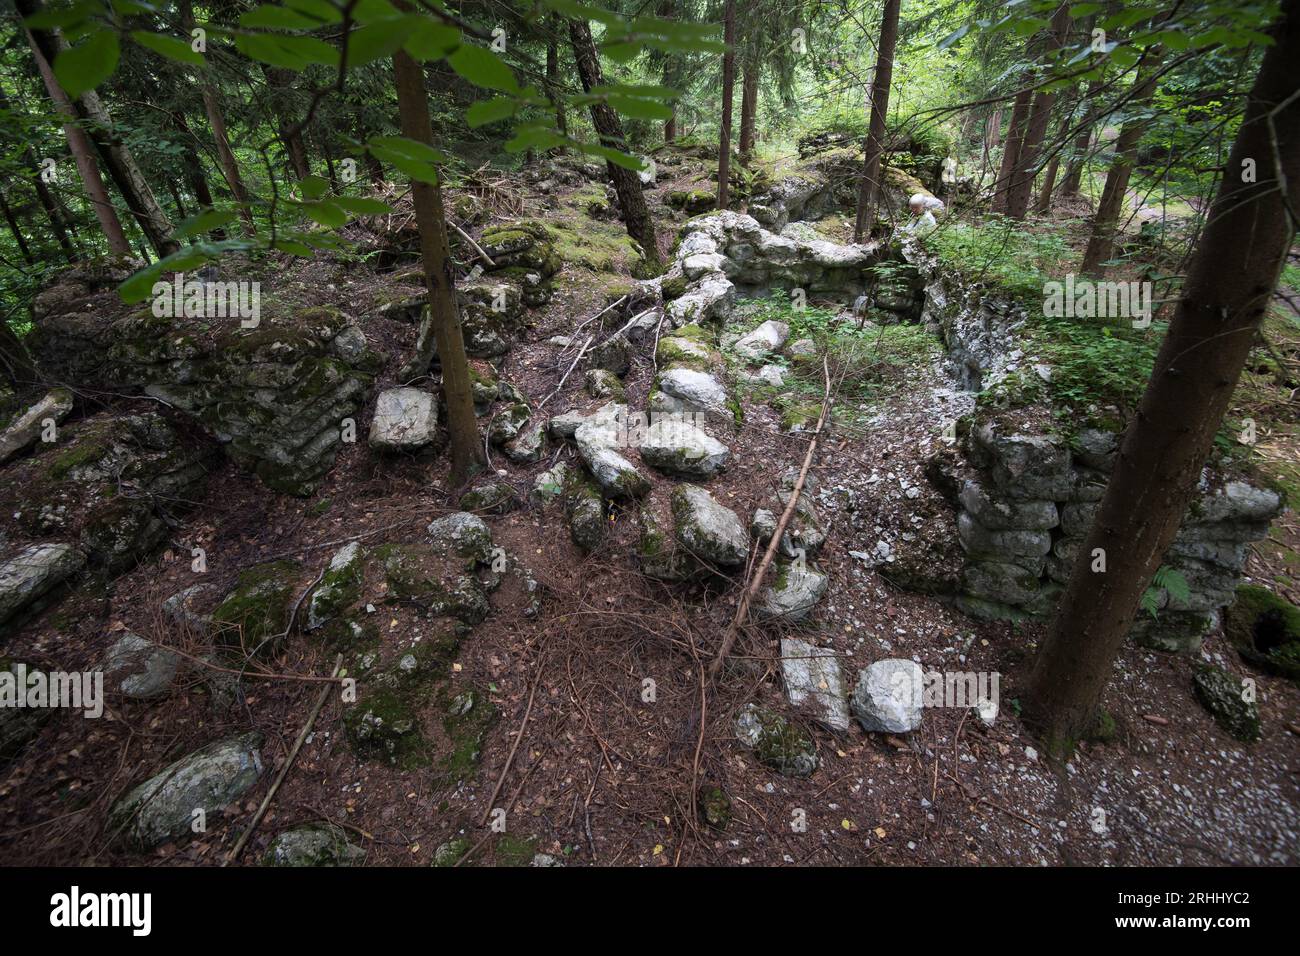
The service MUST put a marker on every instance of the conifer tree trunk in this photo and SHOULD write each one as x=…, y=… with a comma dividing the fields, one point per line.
x=16, y=231
x=869, y=183
x=1230, y=281
x=1021, y=185
x=1101, y=240
x=553, y=75
x=631, y=200
x=1074, y=169
x=1011, y=151
x=728, y=94
x=748, y=108
x=443, y=319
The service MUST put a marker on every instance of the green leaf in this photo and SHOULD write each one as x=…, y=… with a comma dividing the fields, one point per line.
x=170, y=47
x=326, y=213
x=405, y=148
x=490, y=111
x=292, y=246
x=313, y=187
x=431, y=41
x=291, y=52
x=953, y=37
x=277, y=18
x=64, y=18
x=321, y=10
x=368, y=11
x=203, y=222
x=85, y=66
x=482, y=67
x=611, y=155
x=379, y=39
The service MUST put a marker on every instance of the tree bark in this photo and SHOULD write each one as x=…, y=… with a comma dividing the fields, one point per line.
x=728, y=94
x=443, y=318
x=83, y=154
x=1044, y=203
x=748, y=108
x=553, y=76
x=16, y=230
x=868, y=184
x=1074, y=169
x=631, y=200
x=280, y=82
x=1021, y=186
x=993, y=130
x=217, y=122
x=1101, y=240
x=1230, y=281
x=1011, y=151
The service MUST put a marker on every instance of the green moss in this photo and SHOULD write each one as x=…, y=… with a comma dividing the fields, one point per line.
x=82, y=453
x=1104, y=730
x=449, y=853
x=468, y=717
x=674, y=287
x=256, y=613
x=800, y=416
x=1265, y=630
x=714, y=806
x=385, y=726
x=417, y=575
x=515, y=851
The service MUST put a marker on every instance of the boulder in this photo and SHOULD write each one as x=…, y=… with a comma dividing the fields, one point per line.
x=141, y=669
x=707, y=530
x=687, y=390
x=776, y=742
x=462, y=535
x=795, y=590
x=616, y=476
x=163, y=807
x=1221, y=693
x=678, y=447
x=33, y=573
x=339, y=588
x=762, y=341
x=888, y=696
x=406, y=419
x=314, y=844
x=813, y=683
x=26, y=429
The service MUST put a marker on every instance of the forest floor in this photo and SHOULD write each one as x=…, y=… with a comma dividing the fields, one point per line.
x=602, y=777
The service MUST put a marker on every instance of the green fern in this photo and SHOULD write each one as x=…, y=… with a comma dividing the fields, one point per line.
x=1167, y=580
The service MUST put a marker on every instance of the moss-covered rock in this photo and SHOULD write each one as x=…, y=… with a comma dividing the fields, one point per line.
x=1223, y=695
x=467, y=717
x=316, y=844
x=254, y=617
x=714, y=806
x=776, y=742
x=494, y=498
x=385, y=726
x=424, y=576
x=1265, y=630
x=339, y=587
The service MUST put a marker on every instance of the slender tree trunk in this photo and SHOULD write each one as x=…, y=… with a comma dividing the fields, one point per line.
x=1230, y=281
x=280, y=81
x=1011, y=151
x=194, y=175
x=553, y=76
x=728, y=94
x=1074, y=169
x=17, y=232
x=631, y=200
x=79, y=145
x=15, y=362
x=868, y=184
x=1021, y=186
x=374, y=168
x=748, y=108
x=993, y=130
x=1101, y=241
x=1044, y=204
x=176, y=198
x=153, y=222
x=60, y=224
x=443, y=317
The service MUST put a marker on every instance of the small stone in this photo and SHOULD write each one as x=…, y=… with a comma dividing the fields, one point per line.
x=888, y=696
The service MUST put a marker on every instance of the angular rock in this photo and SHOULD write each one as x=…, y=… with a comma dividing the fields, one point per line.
x=678, y=447
x=1002, y=514
x=707, y=530
x=814, y=683
x=141, y=669
x=33, y=573
x=464, y=535
x=162, y=808
x=686, y=390
x=616, y=476
x=527, y=446
x=314, y=844
x=762, y=341
x=406, y=419
x=1221, y=693
x=26, y=429
x=794, y=592
x=338, y=589
x=888, y=696
x=585, y=511
x=1025, y=548
x=493, y=498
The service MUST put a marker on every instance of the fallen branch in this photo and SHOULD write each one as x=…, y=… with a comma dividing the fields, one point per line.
x=474, y=245
x=581, y=353
x=756, y=581
x=284, y=770
x=487, y=812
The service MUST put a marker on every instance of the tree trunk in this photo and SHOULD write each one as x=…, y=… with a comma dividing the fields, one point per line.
x=553, y=77
x=748, y=108
x=728, y=94
x=280, y=81
x=1101, y=240
x=631, y=200
x=1021, y=186
x=1011, y=151
x=443, y=318
x=1044, y=204
x=868, y=185
x=82, y=152
x=17, y=232
x=1230, y=281
x=1074, y=169
x=15, y=363
x=993, y=130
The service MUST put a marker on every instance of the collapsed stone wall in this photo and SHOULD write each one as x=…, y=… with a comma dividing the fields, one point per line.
x=1025, y=494
x=276, y=396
